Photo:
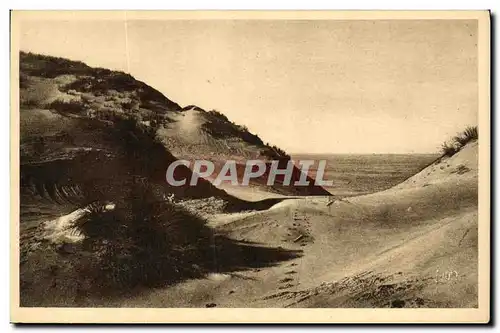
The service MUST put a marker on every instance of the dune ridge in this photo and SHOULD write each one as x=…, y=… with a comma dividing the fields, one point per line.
x=414, y=245
x=101, y=227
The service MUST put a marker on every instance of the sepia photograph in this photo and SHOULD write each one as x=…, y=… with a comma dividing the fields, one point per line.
x=260, y=166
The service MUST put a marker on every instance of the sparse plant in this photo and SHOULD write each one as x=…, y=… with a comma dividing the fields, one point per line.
x=459, y=141
x=73, y=106
x=472, y=132
x=469, y=134
x=144, y=243
x=50, y=67
x=130, y=105
x=29, y=102
x=23, y=81
x=218, y=114
x=448, y=149
x=242, y=128
x=280, y=152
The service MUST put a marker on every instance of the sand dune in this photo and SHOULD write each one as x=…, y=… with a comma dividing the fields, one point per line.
x=92, y=137
x=414, y=245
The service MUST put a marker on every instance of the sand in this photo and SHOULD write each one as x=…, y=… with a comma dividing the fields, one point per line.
x=414, y=245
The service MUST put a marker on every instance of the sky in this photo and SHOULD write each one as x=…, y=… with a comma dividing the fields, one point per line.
x=307, y=86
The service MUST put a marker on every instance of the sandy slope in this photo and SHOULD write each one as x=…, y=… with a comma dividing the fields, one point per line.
x=414, y=245
x=90, y=136
x=196, y=134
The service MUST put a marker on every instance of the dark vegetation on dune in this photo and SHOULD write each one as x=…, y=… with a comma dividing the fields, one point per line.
x=219, y=126
x=143, y=102
x=150, y=243
x=453, y=146
x=105, y=103
x=86, y=155
x=112, y=96
x=99, y=81
x=144, y=242
x=153, y=243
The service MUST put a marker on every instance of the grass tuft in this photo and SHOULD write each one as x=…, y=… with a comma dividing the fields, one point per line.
x=459, y=141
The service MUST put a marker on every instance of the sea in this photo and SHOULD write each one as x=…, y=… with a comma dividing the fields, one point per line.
x=362, y=174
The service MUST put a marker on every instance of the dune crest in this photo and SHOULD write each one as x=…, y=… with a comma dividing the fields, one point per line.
x=98, y=218
x=414, y=245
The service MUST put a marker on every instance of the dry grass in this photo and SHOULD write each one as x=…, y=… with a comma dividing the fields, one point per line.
x=468, y=135
x=450, y=148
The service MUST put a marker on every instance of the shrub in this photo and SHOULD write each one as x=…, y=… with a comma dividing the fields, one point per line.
x=468, y=135
x=145, y=243
x=29, y=102
x=117, y=81
x=218, y=114
x=460, y=140
x=72, y=106
x=23, y=81
x=130, y=105
x=50, y=67
x=448, y=149
x=472, y=132
x=242, y=128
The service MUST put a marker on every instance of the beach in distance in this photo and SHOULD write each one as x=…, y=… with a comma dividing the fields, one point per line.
x=356, y=174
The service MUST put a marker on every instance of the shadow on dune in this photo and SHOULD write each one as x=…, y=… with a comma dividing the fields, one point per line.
x=237, y=205
x=231, y=255
x=68, y=174
x=144, y=241
x=162, y=243
x=141, y=243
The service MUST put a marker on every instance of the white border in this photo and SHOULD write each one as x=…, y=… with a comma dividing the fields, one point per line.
x=186, y=4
